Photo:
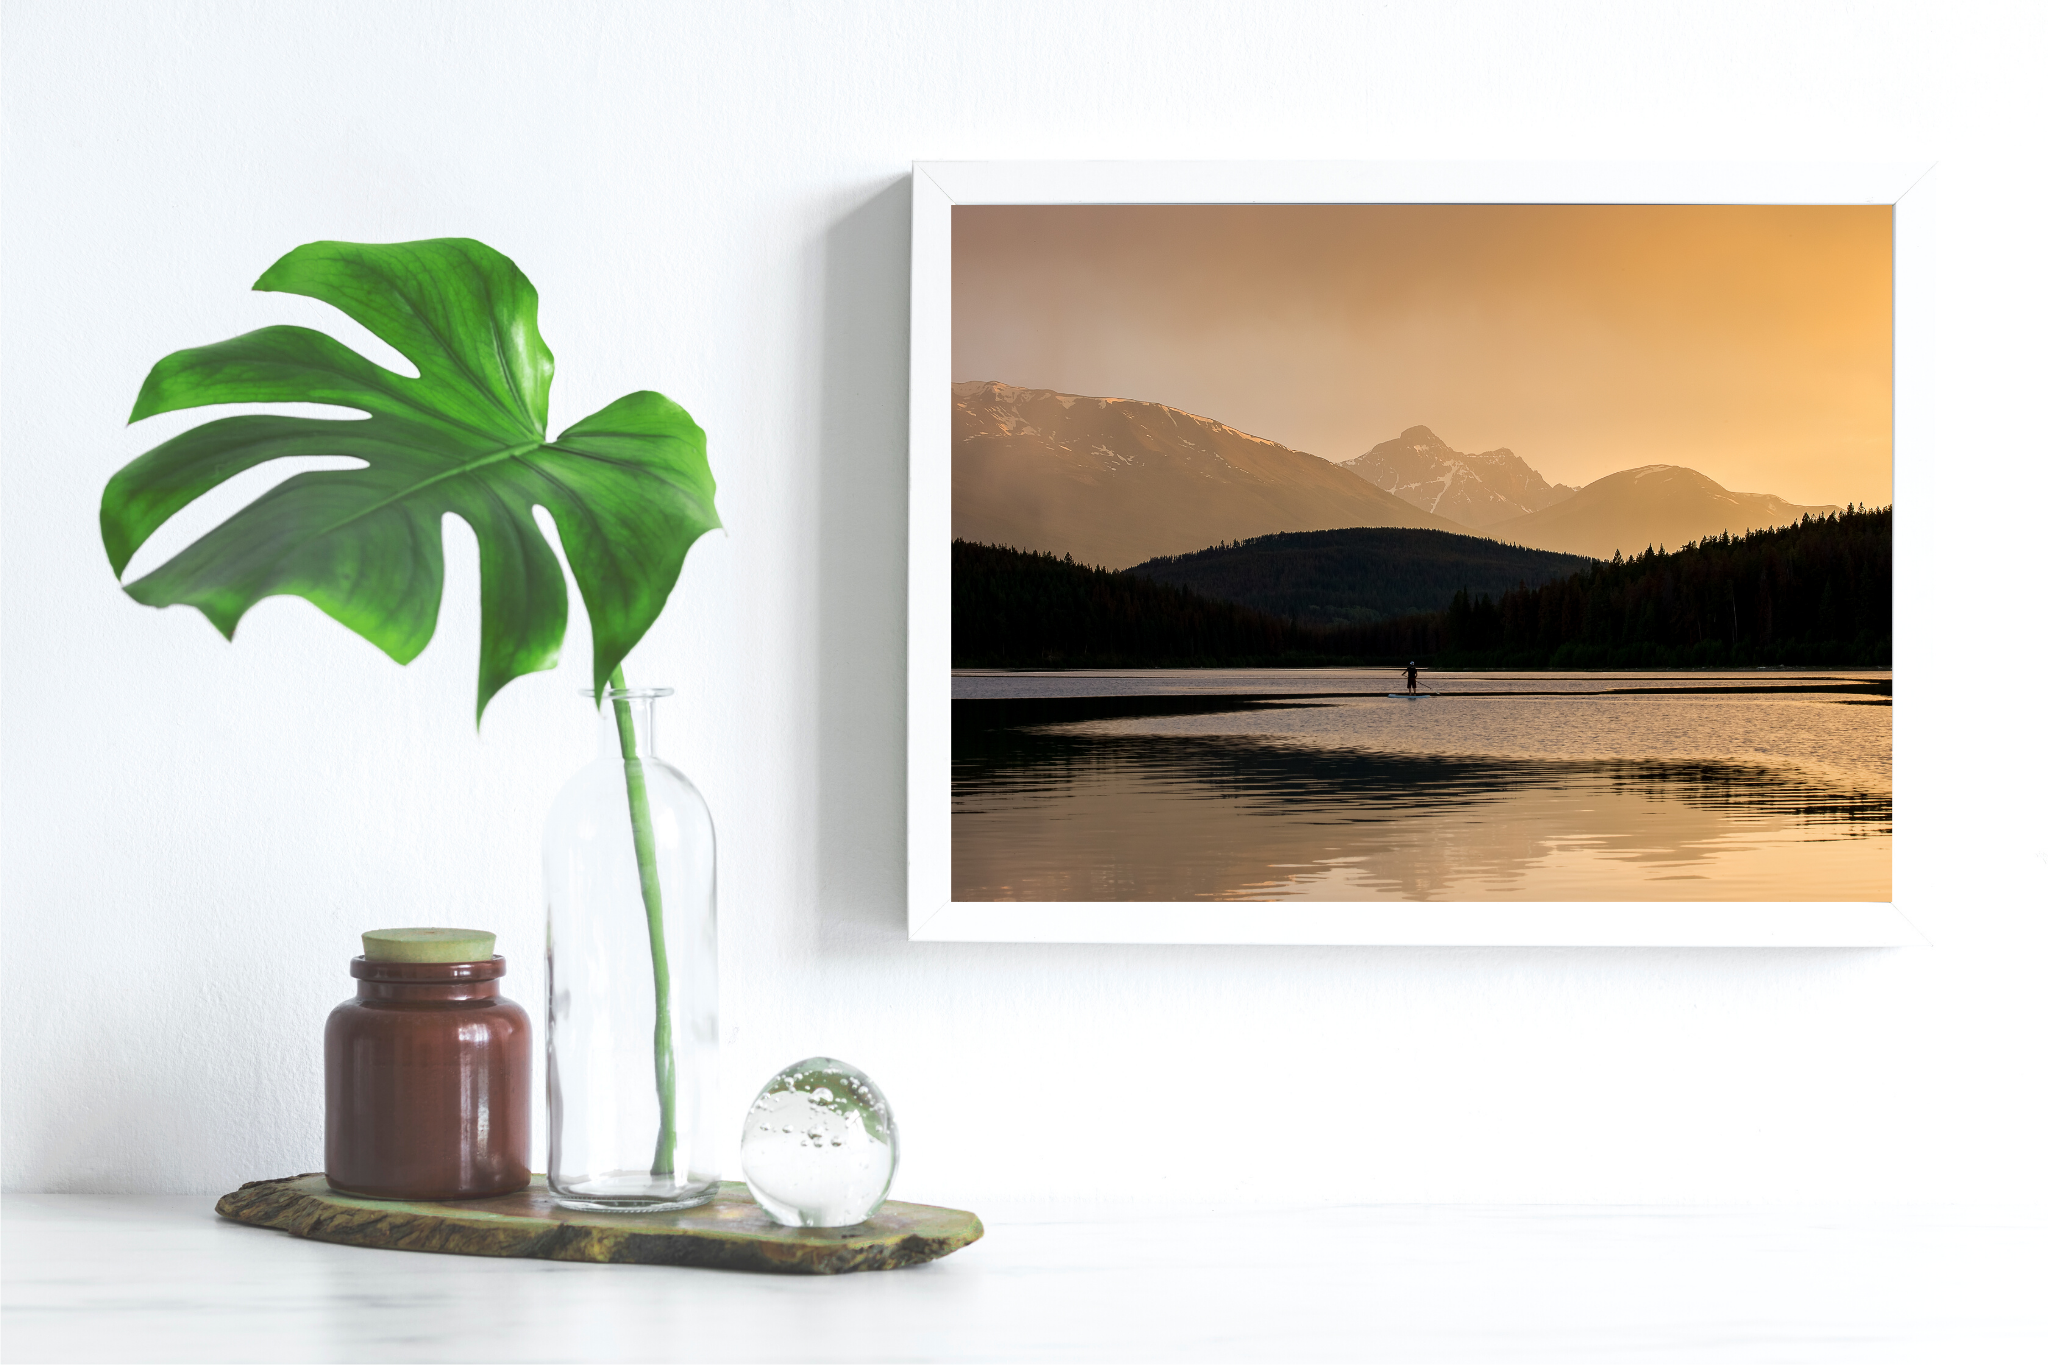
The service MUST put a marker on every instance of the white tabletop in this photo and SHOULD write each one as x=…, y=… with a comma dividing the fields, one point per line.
x=93, y=1277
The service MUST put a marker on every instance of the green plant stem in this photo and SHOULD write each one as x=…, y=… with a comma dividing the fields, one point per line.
x=657, y=941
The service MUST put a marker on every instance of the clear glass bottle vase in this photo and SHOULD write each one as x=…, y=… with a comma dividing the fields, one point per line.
x=632, y=964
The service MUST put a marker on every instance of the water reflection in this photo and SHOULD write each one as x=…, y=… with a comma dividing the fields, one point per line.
x=1285, y=806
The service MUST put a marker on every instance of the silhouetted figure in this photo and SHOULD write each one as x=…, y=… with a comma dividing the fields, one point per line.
x=1411, y=675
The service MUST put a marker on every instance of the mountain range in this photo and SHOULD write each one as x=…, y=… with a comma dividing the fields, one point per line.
x=1117, y=481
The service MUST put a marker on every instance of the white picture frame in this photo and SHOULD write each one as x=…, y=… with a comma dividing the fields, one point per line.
x=937, y=186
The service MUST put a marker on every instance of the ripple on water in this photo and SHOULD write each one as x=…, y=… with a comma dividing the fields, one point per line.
x=1735, y=797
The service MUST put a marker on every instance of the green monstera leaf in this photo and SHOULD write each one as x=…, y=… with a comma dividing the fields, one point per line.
x=629, y=488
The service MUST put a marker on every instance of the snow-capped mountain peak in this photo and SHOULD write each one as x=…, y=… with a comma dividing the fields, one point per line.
x=1421, y=469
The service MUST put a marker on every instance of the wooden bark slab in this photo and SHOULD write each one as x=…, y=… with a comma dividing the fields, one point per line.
x=731, y=1232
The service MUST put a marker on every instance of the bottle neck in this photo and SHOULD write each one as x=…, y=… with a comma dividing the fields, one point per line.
x=426, y=981
x=626, y=722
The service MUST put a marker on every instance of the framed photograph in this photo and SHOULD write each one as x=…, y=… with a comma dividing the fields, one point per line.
x=1361, y=553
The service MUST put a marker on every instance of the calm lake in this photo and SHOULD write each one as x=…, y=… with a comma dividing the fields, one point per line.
x=1313, y=784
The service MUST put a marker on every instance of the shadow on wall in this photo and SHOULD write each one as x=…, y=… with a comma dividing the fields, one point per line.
x=863, y=539
x=863, y=545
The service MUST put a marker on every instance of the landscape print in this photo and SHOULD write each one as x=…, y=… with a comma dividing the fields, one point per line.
x=1421, y=552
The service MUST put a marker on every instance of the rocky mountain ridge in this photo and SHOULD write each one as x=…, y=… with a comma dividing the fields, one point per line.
x=1654, y=504
x=1474, y=490
x=1117, y=481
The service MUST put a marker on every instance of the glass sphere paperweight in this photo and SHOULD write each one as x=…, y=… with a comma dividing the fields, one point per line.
x=819, y=1148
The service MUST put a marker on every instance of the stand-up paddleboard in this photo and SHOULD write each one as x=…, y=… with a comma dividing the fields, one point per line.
x=1411, y=696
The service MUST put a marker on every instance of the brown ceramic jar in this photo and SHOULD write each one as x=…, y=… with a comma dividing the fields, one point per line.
x=429, y=1072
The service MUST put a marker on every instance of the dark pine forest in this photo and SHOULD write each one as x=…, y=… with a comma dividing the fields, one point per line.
x=1366, y=573
x=1819, y=592
x=1813, y=594
x=1015, y=609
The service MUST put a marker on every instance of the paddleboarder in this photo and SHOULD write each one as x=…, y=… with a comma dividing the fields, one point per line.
x=1411, y=675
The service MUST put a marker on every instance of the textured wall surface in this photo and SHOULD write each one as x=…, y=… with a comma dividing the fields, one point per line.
x=712, y=200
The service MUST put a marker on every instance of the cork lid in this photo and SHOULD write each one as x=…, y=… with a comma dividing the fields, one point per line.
x=428, y=945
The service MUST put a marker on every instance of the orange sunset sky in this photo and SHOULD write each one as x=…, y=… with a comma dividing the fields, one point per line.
x=1752, y=343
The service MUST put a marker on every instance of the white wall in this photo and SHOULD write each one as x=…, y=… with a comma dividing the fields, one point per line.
x=712, y=201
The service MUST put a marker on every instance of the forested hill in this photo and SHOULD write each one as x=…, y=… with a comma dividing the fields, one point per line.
x=1015, y=609
x=1365, y=573
x=1815, y=593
